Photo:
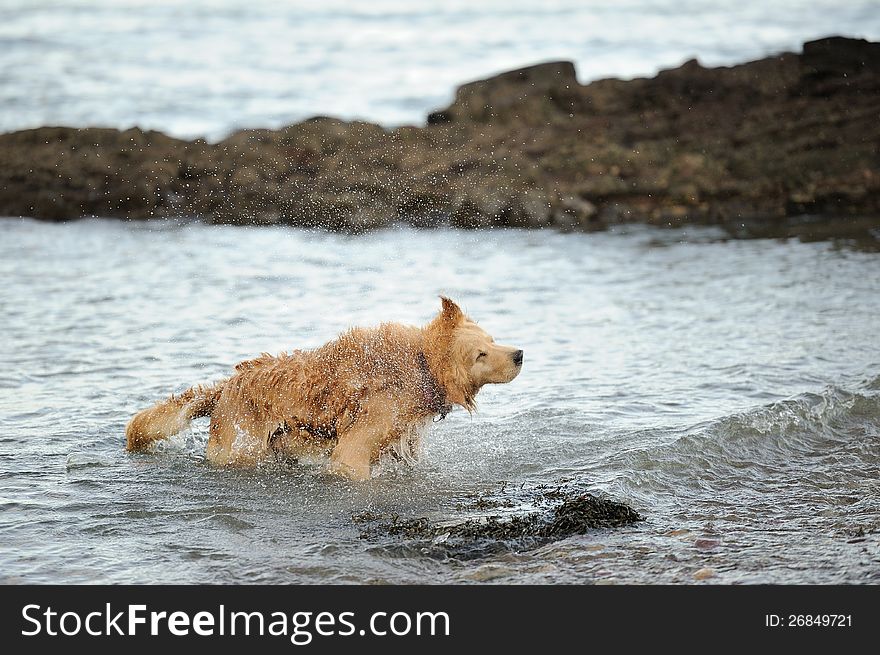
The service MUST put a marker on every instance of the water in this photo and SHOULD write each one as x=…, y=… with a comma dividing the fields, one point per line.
x=729, y=391
x=207, y=67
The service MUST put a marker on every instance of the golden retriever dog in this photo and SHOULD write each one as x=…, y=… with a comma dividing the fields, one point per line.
x=370, y=392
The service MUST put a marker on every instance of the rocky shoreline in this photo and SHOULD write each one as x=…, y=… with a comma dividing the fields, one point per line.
x=763, y=144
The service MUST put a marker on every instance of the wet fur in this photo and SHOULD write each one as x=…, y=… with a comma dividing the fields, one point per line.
x=369, y=392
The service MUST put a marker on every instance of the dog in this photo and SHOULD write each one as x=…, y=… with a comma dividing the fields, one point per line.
x=369, y=392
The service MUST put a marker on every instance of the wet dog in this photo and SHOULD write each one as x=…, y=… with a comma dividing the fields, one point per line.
x=369, y=392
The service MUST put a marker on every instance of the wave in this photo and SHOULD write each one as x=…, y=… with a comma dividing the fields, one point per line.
x=824, y=440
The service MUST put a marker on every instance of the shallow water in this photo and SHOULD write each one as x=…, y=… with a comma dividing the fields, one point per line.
x=207, y=67
x=728, y=390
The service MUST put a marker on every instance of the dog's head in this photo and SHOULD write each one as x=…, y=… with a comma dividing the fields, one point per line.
x=463, y=356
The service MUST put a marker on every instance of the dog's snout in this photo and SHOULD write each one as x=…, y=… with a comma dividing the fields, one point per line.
x=518, y=357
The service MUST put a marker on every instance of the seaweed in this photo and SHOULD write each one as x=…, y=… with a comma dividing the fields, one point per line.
x=559, y=514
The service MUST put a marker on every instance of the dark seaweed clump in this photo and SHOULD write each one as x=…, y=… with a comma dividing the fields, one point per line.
x=474, y=538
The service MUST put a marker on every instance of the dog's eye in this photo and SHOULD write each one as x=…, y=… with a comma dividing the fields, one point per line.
x=481, y=355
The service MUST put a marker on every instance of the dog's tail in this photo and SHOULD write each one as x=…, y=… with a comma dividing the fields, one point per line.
x=171, y=416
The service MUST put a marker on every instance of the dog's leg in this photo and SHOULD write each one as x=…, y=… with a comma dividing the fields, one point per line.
x=359, y=445
x=237, y=440
x=351, y=459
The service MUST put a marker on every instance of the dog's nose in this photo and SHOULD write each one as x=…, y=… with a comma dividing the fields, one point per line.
x=517, y=357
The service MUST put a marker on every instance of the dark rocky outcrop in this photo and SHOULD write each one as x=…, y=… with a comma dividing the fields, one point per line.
x=761, y=143
x=556, y=514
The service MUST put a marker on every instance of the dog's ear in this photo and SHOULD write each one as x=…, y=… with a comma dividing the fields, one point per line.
x=451, y=312
x=441, y=358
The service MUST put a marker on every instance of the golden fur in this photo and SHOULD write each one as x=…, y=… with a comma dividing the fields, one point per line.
x=369, y=392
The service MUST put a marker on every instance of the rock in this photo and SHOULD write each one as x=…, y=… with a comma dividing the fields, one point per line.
x=531, y=93
x=535, y=209
x=829, y=67
x=838, y=55
x=572, y=212
x=245, y=177
x=704, y=574
x=707, y=544
x=562, y=515
x=753, y=148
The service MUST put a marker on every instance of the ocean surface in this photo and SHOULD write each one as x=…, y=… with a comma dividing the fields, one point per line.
x=208, y=67
x=729, y=391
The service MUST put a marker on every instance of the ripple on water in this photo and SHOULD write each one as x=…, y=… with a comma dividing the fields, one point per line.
x=686, y=380
x=77, y=461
